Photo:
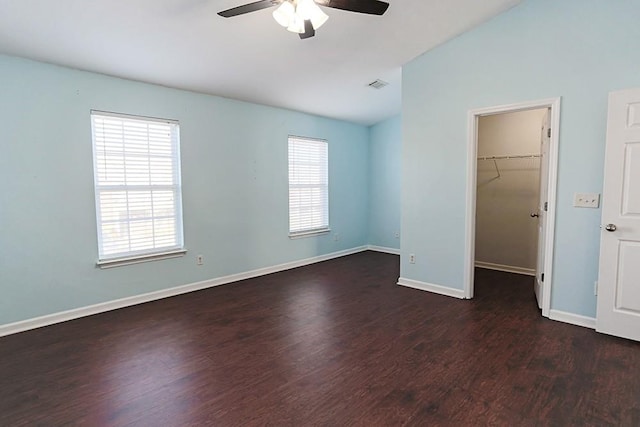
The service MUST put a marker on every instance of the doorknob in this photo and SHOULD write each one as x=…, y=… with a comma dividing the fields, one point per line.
x=611, y=227
x=534, y=215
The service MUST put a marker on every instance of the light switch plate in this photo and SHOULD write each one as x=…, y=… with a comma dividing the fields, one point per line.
x=586, y=200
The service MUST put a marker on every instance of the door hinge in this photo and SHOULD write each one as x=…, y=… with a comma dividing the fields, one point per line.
x=549, y=133
x=542, y=277
x=546, y=206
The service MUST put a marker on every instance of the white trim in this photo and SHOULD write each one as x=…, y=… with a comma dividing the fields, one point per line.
x=574, y=319
x=134, y=117
x=551, y=213
x=429, y=287
x=117, y=262
x=472, y=153
x=470, y=219
x=309, y=233
x=63, y=316
x=506, y=268
x=383, y=249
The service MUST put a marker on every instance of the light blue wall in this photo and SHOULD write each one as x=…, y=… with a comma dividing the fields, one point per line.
x=577, y=49
x=234, y=175
x=384, y=183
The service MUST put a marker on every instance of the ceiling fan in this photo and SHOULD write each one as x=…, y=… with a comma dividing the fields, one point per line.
x=304, y=16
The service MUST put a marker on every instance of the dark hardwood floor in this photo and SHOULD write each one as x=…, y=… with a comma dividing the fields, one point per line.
x=332, y=344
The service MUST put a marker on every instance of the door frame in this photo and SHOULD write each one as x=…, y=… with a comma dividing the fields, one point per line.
x=472, y=153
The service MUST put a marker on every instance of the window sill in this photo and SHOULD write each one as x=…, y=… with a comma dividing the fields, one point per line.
x=119, y=262
x=309, y=233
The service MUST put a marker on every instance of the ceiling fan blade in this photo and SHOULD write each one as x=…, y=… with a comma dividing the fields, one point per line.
x=372, y=7
x=251, y=7
x=309, y=31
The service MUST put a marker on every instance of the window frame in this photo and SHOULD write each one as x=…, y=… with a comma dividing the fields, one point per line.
x=324, y=228
x=144, y=255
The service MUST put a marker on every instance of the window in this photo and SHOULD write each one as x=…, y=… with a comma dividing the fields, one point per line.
x=137, y=188
x=308, y=186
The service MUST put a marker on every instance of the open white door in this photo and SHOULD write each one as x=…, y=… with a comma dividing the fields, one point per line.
x=545, y=141
x=619, y=278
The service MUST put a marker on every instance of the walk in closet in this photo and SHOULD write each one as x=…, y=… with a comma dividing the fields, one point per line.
x=508, y=191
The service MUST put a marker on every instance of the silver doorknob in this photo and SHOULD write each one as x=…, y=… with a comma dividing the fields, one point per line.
x=611, y=227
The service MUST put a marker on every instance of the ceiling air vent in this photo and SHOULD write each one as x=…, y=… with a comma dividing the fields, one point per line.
x=378, y=84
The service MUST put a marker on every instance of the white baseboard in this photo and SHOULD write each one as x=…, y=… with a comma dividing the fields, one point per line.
x=392, y=251
x=429, y=287
x=505, y=268
x=574, y=319
x=63, y=316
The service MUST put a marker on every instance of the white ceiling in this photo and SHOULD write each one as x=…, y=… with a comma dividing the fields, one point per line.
x=185, y=44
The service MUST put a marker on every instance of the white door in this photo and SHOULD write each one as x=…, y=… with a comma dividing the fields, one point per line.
x=619, y=277
x=545, y=141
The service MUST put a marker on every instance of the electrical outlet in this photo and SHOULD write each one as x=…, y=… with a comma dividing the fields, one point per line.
x=336, y=237
x=412, y=258
x=199, y=259
x=595, y=288
x=397, y=235
x=586, y=200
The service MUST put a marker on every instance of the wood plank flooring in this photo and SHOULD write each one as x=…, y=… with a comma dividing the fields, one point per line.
x=332, y=344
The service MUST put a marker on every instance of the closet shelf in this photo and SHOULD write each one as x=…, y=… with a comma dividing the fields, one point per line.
x=510, y=156
x=507, y=157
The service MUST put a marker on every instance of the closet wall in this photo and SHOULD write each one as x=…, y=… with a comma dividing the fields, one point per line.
x=508, y=191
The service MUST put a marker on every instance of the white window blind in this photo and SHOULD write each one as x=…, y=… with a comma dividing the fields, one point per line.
x=308, y=185
x=137, y=186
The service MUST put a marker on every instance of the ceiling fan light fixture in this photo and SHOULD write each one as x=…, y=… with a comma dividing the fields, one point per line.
x=284, y=14
x=318, y=19
x=296, y=25
x=305, y=16
x=309, y=10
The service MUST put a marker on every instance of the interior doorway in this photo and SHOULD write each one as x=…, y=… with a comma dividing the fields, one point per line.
x=512, y=170
x=508, y=190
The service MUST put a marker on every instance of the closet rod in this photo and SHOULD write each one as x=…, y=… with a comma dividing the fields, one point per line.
x=516, y=156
